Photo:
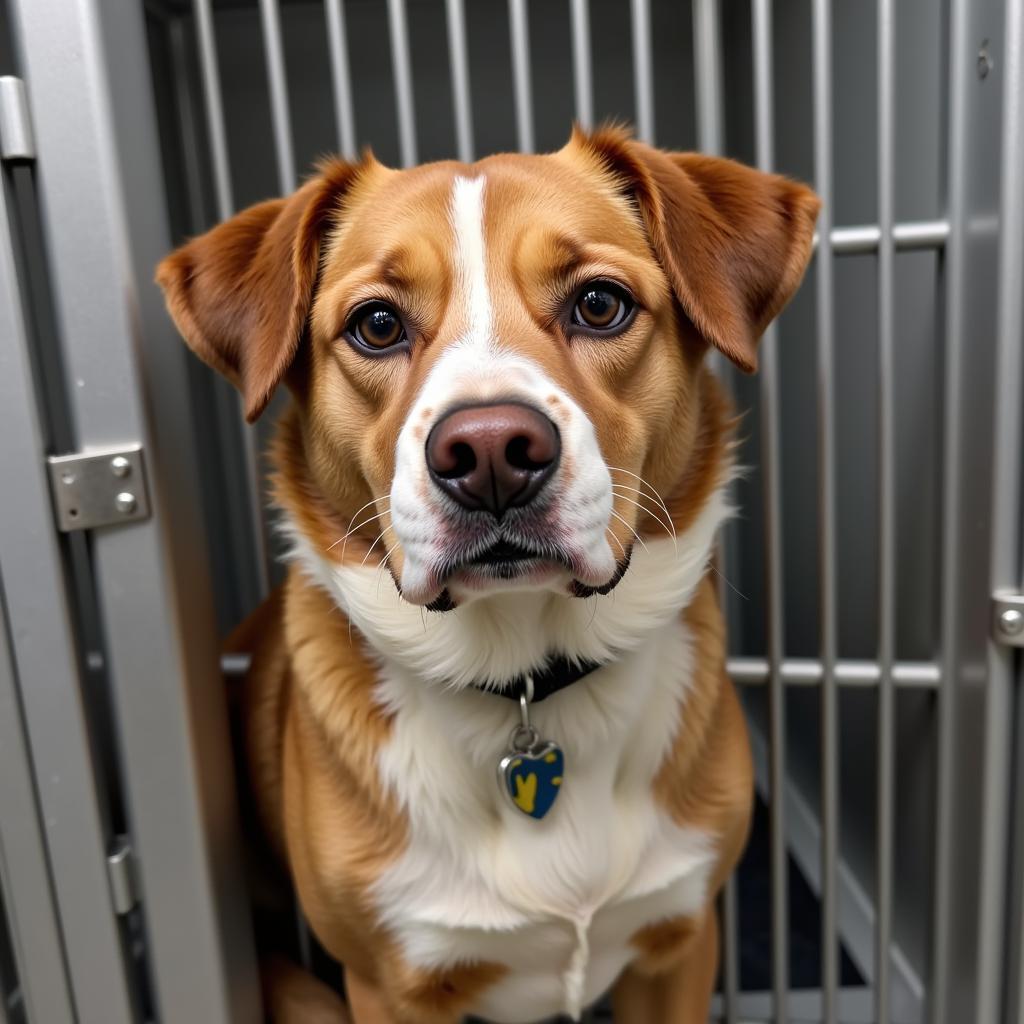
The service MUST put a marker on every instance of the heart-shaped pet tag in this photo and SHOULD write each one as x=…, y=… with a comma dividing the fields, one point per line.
x=533, y=777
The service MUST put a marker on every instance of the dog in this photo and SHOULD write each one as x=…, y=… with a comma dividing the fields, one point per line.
x=489, y=726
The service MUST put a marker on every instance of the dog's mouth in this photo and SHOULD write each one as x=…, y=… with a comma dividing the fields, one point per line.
x=509, y=560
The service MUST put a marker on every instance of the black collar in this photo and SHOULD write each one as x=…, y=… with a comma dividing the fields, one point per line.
x=555, y=674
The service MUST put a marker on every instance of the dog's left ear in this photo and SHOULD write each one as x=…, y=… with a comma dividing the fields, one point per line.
x=734, y=242
x=241, y=293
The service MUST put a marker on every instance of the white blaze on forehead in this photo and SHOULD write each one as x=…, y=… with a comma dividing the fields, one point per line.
x=467, y=214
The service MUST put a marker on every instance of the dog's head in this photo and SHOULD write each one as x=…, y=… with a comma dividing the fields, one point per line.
x=487, y=360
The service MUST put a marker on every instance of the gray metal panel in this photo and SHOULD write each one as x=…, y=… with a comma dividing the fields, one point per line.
x=1007, y=518
x=94, y=121
x=46, y=663
x=969, y=375
x=24, y=875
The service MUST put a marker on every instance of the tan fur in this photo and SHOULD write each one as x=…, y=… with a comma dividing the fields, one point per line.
x=712, y=251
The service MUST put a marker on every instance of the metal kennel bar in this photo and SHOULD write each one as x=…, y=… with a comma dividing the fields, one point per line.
x=520, y=32
x=764, y=130
x=821, y=19
x=643, y=71
x=270, y=15
x=582, y=73
x=459, y=62
x=401, y=68
x=341, y=74
x=886, y=781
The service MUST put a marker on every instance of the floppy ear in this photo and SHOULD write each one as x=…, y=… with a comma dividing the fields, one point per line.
x=734, y=242
x=240, y=294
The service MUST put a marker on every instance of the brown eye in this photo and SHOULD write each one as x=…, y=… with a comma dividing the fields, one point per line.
x=376, y=326
x=601, y=306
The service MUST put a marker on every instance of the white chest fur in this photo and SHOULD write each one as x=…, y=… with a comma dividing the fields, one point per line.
x=555, y=901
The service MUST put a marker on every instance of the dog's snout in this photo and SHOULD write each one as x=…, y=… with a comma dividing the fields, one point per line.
x=493, y=457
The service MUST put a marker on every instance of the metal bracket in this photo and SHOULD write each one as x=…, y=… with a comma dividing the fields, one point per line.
x=121, y=873
x=1008, y=617
x=99, y=488
x=17, y=142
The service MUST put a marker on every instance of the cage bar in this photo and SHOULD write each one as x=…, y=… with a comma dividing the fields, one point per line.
x=458, y=61
x=582, y=74
x=341, y=77
x=707, y=68
x=643, y=68
x=951, y=506
x=771, y=448
x=886, y=778
x=1006, y=541
x=822, y=85
x=401, y=69
x=864, y=238
x=519, y=28
x=218, y=138
x=217, y=135
x=270, y=17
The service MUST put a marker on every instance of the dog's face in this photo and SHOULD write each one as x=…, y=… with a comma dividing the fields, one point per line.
x=489, y=359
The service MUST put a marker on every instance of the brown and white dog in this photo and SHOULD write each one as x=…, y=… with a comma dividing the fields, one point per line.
x=504, y=447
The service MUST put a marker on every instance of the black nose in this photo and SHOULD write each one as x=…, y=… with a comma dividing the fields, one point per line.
x=493, y=457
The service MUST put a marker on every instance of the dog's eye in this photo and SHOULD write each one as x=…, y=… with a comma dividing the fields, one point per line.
x=601, y=306
x=376, y=326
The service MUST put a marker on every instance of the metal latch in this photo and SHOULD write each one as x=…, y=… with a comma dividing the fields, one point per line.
x=1008, y=617
x=121, y=873
x=16, y=139
x=99, y=488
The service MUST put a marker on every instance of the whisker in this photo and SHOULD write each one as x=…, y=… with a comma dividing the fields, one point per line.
x=631, y=530
x=669, y=527
x=608, y=530
x=646, y=483
x=383, y=564
x=736, y=590
x=358, y=526
x=377, y=539
x=349, y=530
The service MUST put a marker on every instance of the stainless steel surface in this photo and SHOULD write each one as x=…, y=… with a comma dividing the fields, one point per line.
x=886, y=772
x=42, y=638
x=26, y=890
x=707, y=67
x=281, y=118
x=643, y=70
x=764, y=131
x=99, y=488
x=401, y=69
x=125, y=380
x=121, y=872
x=821, y=18
x=582, y=75
x=458, y=59
x=341, y=76
x=520, y=32
x=16, y=139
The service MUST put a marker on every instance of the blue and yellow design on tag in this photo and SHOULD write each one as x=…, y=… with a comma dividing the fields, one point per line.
x=533, y=778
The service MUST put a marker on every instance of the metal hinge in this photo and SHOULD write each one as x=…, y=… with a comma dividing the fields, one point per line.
x=121, y=873
x=99, y=488
x=1008, y=617
x=17, y=141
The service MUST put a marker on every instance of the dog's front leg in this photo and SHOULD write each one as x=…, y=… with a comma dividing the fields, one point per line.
x=678, y=993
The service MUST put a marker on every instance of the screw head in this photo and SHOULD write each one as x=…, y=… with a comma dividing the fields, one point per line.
x=125, y=502
x=984, y=60
x=1011, y=622
x=120, y=466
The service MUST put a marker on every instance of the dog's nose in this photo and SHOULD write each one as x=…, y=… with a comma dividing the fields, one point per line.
x=493, y=457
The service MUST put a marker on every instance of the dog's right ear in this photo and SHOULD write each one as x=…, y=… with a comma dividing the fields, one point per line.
x=241, y=294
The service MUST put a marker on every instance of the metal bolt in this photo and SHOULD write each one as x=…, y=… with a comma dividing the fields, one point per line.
x=120, y=466
x=125, y=502
x=1011, y=622
x=984, y=60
